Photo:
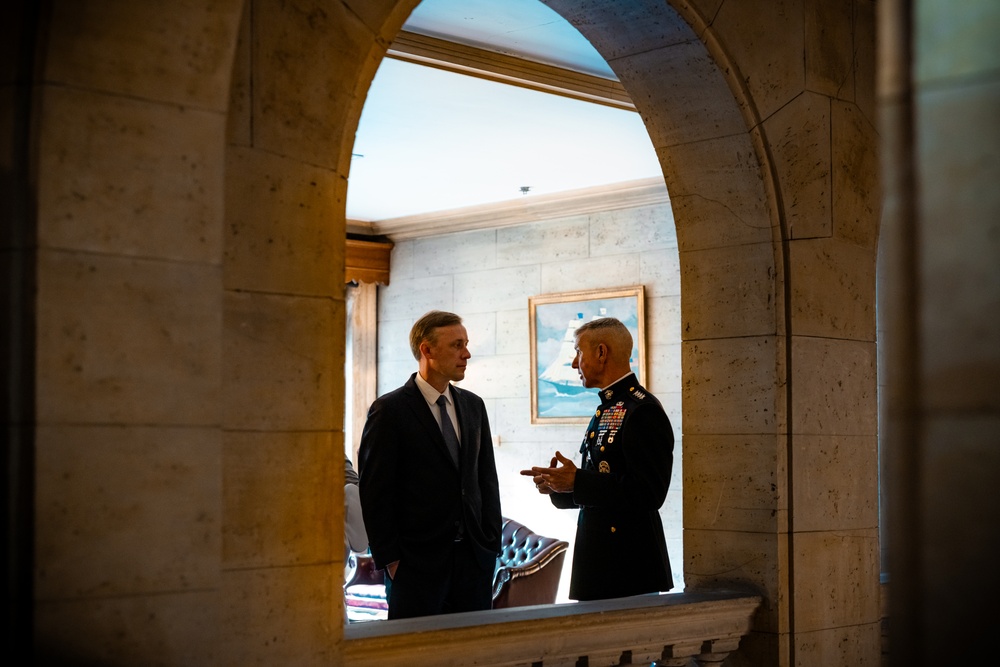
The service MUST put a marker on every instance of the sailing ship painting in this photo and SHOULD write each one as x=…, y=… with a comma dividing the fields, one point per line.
x=557, y=393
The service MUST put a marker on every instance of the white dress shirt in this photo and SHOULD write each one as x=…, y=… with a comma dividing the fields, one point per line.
x=431, y=396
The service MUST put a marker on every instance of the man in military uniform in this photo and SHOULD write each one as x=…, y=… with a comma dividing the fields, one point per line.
x=623, y=477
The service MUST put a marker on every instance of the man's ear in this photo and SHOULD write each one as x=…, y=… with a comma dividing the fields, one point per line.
x=425, y=349
x=602, y=352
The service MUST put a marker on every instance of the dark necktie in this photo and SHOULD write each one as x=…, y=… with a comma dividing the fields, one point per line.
x=447, y=430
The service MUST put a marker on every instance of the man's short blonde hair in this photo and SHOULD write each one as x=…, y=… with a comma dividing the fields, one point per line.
x=612, y=333
x=425, y=329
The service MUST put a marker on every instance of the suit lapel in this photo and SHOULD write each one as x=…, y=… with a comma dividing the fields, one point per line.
x=463, y=409
x=427, y=421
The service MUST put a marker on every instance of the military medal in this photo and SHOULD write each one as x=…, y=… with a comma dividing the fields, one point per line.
x=604, y=466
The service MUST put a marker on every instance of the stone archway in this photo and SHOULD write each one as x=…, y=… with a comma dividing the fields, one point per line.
x=769, y=152
x=732, y=124
x=181, y=341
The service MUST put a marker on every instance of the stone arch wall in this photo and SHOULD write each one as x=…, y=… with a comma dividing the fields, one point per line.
x=128, y=116
x=300, y=75
x=764, y=123
x=187, y=348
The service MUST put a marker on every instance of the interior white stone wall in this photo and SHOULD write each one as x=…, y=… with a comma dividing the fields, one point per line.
x=487, y=277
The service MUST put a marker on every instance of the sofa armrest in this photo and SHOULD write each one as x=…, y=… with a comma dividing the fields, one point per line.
x=506, y=573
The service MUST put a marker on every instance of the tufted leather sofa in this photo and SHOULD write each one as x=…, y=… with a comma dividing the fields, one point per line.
x=527, y=572
x=528, y=567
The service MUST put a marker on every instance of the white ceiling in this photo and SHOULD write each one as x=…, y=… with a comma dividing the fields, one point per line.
x=431, y=140
x=524, y=28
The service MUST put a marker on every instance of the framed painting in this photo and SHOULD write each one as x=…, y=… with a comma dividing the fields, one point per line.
x=557, y=395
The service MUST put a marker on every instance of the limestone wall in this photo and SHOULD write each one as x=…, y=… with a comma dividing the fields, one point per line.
x=186, y=344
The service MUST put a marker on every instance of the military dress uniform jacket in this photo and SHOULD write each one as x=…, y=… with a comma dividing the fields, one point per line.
x=620, y=485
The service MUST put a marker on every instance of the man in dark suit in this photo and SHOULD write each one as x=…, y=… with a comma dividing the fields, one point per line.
x=429, y=491
x=623, y=477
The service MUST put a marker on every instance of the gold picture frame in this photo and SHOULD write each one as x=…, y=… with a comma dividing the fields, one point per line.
x=557, y=396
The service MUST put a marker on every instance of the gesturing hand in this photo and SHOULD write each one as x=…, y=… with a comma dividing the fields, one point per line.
x=559, y=477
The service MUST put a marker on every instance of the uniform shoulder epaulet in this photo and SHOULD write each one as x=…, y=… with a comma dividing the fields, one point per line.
x=638, y=393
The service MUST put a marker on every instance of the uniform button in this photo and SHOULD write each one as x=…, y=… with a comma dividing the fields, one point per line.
x=602, y=448
x=598, y=412
x=613, y=529
x=591, y=434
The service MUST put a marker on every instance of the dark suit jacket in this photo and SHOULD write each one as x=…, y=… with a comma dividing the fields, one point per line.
x=622, y=481
x=413, y=498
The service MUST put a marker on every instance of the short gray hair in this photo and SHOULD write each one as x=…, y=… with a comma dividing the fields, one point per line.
x=612, y=333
